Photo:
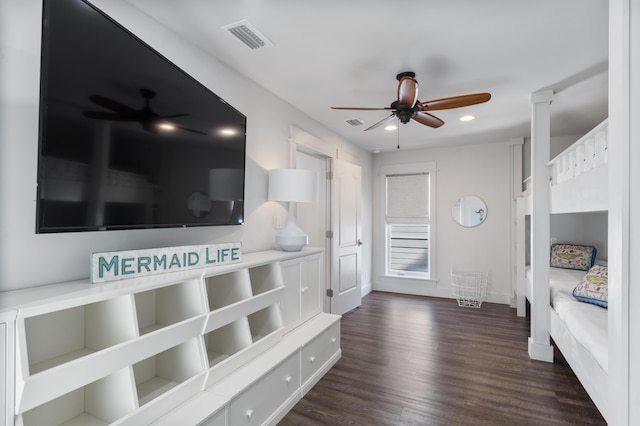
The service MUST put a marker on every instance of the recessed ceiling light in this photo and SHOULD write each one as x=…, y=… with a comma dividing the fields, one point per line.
x=467, y=118
x=376, y=151
x=391, y=127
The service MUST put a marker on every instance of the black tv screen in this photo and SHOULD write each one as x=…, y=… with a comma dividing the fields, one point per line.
x=127, y=139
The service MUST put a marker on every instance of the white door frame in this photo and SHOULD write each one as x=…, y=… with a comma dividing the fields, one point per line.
x=309, y=144
x=327, y=205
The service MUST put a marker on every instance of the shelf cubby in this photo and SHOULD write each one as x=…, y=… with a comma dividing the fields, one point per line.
x=228, y=340
x=58, y=337
x=264, y=322
x=168, y=305
x=98, y=403
x=265, y=278
x=162, y=372
x=227, y=289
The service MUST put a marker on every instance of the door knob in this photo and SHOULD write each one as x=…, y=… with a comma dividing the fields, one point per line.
x=359, y=242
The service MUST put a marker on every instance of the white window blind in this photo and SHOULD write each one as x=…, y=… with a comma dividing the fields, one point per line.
x=408, y=249
x=407, y=195
x=408, y=213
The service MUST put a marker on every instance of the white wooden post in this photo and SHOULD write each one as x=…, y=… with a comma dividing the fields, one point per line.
x=515, y=189
x=539, y=342
x=624, y=210
x=521, y=280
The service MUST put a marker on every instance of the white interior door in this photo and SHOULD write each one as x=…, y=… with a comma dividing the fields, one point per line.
x=346, y=281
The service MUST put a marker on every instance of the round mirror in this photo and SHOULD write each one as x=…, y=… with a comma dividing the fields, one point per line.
x=470, y=211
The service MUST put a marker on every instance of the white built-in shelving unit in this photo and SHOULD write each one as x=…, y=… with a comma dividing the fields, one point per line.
x=231, y=344
x=7, y=320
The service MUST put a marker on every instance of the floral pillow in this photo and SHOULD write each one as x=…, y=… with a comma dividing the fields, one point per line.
x=572, y=256
x=594, y=287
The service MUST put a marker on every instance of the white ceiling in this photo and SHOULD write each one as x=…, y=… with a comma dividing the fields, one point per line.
x=348, y=52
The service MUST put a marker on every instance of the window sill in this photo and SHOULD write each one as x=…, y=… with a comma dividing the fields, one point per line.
x=390, y=278
x=407, y=277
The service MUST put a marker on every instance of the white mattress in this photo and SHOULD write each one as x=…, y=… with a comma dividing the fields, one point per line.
x=587, y=322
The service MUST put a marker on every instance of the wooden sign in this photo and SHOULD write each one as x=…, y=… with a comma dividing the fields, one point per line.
x=111, y=266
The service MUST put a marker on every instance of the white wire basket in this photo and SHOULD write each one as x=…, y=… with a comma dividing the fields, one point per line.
x=469, y=288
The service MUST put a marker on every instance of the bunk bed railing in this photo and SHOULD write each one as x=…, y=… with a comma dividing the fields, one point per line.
x=587, y=153
x=579, y=176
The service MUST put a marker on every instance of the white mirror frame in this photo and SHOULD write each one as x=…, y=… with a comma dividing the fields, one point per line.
x=469, y=211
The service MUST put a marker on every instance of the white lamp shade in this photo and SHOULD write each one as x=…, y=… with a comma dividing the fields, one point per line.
x=226, y=184
x=293, y=185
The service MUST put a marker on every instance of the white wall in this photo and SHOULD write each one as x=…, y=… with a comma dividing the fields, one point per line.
x=29, y=259
x=481, y=170
x=582, y=228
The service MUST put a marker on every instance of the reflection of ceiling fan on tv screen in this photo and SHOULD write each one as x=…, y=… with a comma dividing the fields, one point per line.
x=148, y=118
x=408, y=107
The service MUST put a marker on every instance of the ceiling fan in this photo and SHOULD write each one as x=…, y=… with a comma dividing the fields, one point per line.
x=408, y=107
x=148, y=119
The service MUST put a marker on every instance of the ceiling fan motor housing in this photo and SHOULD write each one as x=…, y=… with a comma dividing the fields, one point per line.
x=405, y=74
x=404, y=113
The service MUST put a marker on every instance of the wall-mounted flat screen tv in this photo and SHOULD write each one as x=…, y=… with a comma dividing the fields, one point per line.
x=127, y=139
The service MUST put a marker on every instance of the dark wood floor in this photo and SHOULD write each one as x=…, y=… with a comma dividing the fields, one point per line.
x=410, y=360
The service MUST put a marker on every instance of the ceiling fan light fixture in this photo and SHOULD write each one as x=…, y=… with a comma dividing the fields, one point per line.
x=391, y=127
x=467, y=118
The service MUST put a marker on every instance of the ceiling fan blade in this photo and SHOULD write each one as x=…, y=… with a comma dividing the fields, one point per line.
x=363, y=109
x=428, y=119
x=100, y=115
x=407, y=91
x=173, y=115
x=454, y=102
x=192, y=131
x=381, y=122
x=110, y=104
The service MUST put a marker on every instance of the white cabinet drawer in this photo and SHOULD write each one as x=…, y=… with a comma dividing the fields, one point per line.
x=319, y=351
x=257, y=404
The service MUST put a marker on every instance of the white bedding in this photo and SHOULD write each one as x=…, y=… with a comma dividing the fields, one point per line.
x=587, y=322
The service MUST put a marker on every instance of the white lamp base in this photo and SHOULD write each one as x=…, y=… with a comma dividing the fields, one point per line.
x=291, y=237
x=292, y=243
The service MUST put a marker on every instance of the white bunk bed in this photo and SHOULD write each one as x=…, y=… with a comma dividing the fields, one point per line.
x=579, y=180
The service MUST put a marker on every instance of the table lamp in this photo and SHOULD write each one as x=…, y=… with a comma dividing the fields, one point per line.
x=294, y=186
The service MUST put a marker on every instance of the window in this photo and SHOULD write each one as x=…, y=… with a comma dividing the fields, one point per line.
x=408, y=197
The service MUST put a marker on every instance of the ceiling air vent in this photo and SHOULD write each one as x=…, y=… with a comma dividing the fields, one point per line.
x=355, y=122
x=248, y=35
